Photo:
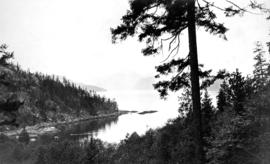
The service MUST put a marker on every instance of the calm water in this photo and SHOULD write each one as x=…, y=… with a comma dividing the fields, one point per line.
x=140, y=101
x=116, y=128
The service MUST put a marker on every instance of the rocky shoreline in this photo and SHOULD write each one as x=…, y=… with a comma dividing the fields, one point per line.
x=50, y=127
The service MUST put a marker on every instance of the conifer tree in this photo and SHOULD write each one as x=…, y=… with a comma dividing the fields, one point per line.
x=207, y=113
x=260, y=68
x=223, y=98
x=185, y=102
x=5, y=55
x=157, y=21
x=237, y=93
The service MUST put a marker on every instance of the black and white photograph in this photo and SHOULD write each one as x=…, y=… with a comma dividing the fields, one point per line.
x=134, y=82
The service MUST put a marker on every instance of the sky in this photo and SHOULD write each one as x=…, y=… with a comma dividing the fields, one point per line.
x=72, y=38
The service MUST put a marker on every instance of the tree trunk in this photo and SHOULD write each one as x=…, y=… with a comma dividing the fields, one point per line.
x=195, y=85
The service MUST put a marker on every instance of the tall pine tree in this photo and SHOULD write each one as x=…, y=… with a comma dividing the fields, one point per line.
x=223, y=98
x=158, y=21
x=207, y=113
x=237, y=93
x=260, y=68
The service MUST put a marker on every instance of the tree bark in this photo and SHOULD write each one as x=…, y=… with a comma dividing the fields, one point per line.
x=195, y=85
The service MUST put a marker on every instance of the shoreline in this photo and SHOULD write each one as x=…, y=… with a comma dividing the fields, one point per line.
x=50, y=127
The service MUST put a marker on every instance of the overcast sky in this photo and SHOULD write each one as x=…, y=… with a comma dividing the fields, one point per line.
x=72, y=38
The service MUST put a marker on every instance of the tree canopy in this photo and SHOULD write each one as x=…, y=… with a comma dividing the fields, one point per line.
x=159, y=23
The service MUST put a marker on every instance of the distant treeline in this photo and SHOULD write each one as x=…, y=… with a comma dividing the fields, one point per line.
x=47, y=98
x=49, y=94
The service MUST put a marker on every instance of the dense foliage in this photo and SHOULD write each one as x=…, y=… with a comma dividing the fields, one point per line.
x=47, y=150
x=163, y=21
x=236, y=131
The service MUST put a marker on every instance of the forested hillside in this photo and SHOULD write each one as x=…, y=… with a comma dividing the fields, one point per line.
x=236, y=131
x=44, y=98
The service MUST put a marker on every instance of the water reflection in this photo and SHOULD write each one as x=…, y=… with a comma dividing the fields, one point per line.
x=83, y=131
x=114, y=129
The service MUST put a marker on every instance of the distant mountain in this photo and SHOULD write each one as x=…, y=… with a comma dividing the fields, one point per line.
x=128, y=81
x=86, y=87
x=91, y=87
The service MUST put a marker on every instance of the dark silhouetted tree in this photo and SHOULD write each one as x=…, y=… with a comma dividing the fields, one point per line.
x=223, y=98
x=158, y=21
x=237, y=93
x=207, y=117
x=5, y=55
x=207, y=113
